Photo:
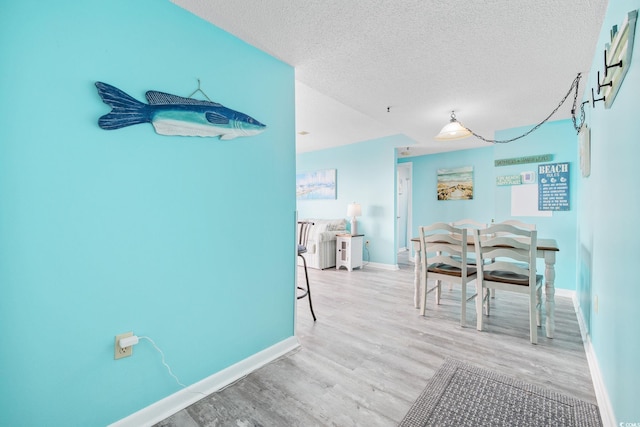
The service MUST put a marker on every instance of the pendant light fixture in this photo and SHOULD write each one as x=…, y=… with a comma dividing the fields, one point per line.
x=453, y=130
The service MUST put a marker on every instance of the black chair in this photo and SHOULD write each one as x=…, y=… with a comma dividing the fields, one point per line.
x=303, y=235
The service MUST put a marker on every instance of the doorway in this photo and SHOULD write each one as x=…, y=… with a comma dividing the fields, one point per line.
x=404, y=172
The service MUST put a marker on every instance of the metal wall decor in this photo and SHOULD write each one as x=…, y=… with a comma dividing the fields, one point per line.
x=175, y=115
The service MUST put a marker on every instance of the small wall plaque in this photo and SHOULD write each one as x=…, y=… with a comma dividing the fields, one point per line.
x=509, y=180
x=540, y=158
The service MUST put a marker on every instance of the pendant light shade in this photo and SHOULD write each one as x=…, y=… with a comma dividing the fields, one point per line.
x=453, y=130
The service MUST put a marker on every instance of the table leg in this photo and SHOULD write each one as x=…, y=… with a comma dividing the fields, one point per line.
x=416, y=277
x=550, y=276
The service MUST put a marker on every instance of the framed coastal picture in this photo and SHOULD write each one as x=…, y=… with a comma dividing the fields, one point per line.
x=316, y=185
x=455, y=184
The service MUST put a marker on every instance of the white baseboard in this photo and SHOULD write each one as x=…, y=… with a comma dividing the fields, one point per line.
x=565, y=293
x=604, y=403
x=168, y=406
x=380, y=266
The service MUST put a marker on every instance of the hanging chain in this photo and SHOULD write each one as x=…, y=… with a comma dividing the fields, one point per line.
x=575, y=84
x=577, y=126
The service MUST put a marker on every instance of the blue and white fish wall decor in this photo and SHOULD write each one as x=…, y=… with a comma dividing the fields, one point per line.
x=175, y=115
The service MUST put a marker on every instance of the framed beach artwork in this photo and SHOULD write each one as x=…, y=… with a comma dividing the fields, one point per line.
x=455, y=184
x=317, y=185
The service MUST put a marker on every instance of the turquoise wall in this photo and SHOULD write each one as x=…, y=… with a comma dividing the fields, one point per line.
x=428, y=209
x=365, y=174
x=105, y=232
x=609, y=206
x=559, y=139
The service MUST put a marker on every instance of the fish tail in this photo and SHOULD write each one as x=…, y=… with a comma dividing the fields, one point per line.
x=125, y=110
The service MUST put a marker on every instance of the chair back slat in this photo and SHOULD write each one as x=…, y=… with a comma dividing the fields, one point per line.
x=508, y=267
x=503, y=229
x=446, y=248
x=303, y=232
x=504, y=241
x=446, y=259
x=517, y=224
x=469, y=224
x=440, y=243
x=505, y=248
x=494, y=253
x=442, y=238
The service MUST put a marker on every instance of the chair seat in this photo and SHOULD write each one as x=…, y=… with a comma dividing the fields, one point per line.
x=509, y=277
x=449, y=270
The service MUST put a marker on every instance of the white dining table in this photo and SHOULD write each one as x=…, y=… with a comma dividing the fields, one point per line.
x=546, y=249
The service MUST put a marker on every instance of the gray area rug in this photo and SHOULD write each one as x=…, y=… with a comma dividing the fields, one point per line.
x=460, y=394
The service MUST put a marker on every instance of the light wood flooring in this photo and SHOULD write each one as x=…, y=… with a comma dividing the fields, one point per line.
x=369, y=355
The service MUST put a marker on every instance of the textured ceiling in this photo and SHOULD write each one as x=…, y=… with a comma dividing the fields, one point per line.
x=498, y=63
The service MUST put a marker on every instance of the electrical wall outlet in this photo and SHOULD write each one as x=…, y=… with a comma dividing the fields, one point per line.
x=119, y=353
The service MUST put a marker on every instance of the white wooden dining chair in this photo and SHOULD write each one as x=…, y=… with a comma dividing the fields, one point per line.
x=443, y=257
x=515, y=223
x=513, y=250
x=470, y=225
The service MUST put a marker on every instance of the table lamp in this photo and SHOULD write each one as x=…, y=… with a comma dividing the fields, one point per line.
x=354, y=210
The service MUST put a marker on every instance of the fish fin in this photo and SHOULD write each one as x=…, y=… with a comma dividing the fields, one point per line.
x=216, y=118
x=160, y=98
x=227, y=136
x=125, y=110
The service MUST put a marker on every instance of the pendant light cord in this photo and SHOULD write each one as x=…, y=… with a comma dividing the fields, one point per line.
x=575, y=84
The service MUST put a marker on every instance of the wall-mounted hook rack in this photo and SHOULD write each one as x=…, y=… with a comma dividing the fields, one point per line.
x=594, y=100
x=601, y=85
x=617, y=58
x=606, y=67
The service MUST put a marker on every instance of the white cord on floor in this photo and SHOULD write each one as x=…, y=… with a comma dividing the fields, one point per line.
x=163, y=361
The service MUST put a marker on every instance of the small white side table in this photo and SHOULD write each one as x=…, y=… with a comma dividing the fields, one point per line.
x=349, y=251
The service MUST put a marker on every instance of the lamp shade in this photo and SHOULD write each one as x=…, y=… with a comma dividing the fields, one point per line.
x=354, y=209
x=453, y=130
